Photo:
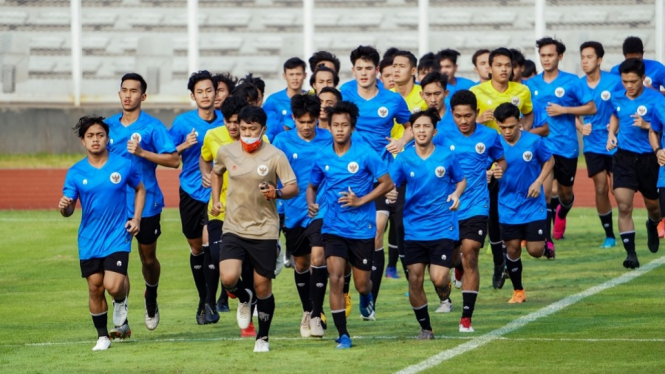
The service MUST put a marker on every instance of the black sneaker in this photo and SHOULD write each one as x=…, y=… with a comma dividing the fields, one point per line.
x=652, y=237
x=499, y=277
x=631, y=262
x=222, y=307
x=211, y=314
x=201, y=314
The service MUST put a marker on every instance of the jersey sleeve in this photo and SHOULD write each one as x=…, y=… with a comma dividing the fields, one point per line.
x=496, y=149
x=543, y=153
x=70, y=190
x=316, y=175
x=133, y=176
x=177, y=132
x=396, y=171
x=161, y=139
x=527, y=104
x=403, y=113
x=376, y=166
x=284, y=171
x=582, y=94
x=206, y=148
x=220, y=167
x=658, y=119
x=455, y=170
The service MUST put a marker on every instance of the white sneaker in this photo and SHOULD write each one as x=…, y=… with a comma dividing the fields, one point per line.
x=456, y=283
x=316, y=328
x=256, y=312
x=279, y=265
x=103, y=343
x=119, y=312
x=244, y=314
x=304, y=325
x=445, y=307
x=151, y=323
x=261, y=346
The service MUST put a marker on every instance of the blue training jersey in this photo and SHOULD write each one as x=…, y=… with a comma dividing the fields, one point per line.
x=475, y=153
x=564, y=90
x=352, y=85
x=357, y=169
x=608, y=86
x=447, y=123
x=461, y=83
x=525, y=160
x=654, y=72
x=427, y=214
x=301, y=155
x=102, y=193
x=190, y=177
x=658, y=127
x=649, y=105
x=153, y=137
x=278, y=109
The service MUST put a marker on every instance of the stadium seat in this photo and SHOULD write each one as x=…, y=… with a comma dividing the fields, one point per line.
x=144, y=20
x=265, y=65
x=325, y=19
x=37, y=65
x=449, y=18
x=51, y=42
x=487, y=41
x=123, y=65
x=351, y=42
x=94, y=43
x=97, y=20
x=12, y=18
x=407, y=19
x=278, y=20
x=50, y=19
x=228, y=20
x=268, y=43
x=220, y=44
x=322, y=42
x=363, y=21
x=404, y=41
x=217, y=64
x=584, y=17
x=89, y=66
x=495, y=18
x=632, y=17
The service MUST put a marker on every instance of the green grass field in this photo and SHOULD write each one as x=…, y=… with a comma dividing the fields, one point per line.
x=45, y=325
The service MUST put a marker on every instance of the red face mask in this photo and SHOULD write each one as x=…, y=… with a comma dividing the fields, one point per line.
x=251, y=144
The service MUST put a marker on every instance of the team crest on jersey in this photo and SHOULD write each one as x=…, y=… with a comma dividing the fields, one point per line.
x=515, y=101
x=648, y=81
x=412, y=174
x=452, y=147
x=136, y=137
x=295, y=156
x=535, y=93
x=85, y=181
x=111, y=141
x=352, y=167
x=115, y=177
x=262, y=170
x=559, y=92
x=527, y=156
x=605, y=95
x=480, y=148
x=284, y=112
x=641, y=110
x=383, y=112
x=489, y=102
x=440, y=171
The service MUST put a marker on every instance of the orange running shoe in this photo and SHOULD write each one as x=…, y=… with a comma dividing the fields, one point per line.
x=661, y=229
x=518, y=297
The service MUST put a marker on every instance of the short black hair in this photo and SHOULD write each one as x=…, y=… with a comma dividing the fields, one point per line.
x=518, y=57
x=86, y=122
x=302, y=104
x=385, y=62
x=366, y=53
x=344, y=107
x=560, y=47
x=320, y=56
x=254, y=81
x=332, y=90
x=413, y=60
x=247, y=91
x=435, y=77
x=632, y=44
x=321, y=68
x=529, y=68
x=232, y=106
x=501, y=52
x=428, y=61
x=464, y=97
x=632, y=65
x=477, y=54
x=448, y=54
x=251, y=114
x=505, y=111
x=295, y=62
x=229, y=80
x=432, y=113
x=390, y=52
x=135, y=77
x=199, y=76
x=597, y=47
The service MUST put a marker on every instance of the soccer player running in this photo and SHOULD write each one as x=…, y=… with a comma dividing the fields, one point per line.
x=251, y=224
x=448, y=65
x=481, y=66
x=324, y=58
x=476, y=147
x=323, y=77
x=522, y=205
x=343, y=177
x=104, y=238
x=602, y=86
x=635, y=119
x=303, y=235
x=188, y=132
x=560, y=95
x=434, y=94
x=654, y=71
x=329, y=96
x=226, y=83
x=278, y=105
x=144, y=140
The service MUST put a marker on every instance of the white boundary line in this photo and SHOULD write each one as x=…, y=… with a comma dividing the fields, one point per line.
x=524, y=320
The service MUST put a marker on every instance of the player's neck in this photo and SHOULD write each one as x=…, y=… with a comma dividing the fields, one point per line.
x=323, y=124
x=442, y=111
x=369, y=92
x=404, y=89
x=305, y=139
x=500, y=87
x=593, y=77
x=637, y=94
x=549, y=76
x=341, y=149
x=207, y=114
x=452, y=80
x=130, y=116
x=98, y=160
x=424, y=151
x=291, y=92
x=483, y=80
x=517, y=138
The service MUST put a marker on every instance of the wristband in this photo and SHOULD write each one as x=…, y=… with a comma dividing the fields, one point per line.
x=278, y=194
x=657, y=149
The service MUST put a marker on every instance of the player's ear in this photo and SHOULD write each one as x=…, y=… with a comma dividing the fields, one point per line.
x=191, y=96
x=446, y=92
x=143, y=96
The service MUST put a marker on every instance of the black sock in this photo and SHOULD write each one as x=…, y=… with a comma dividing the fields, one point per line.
x=252, y=306
x=196, y=263
x=239, y=291
x=378, y=263
x=339, y=317
x=317, y=289
x=606, y=221
x=565, y=208
x=406, y=269
x=422, y=315
x=553, y=205
x=151, y=299
x=100, y=321
x=468, y=303
x=224, y=296
x=515, y=272
x=628, y=239
x=266, y=308
x=347, y=282
x=550, y=219
x=211, y=273
x=497, y=253
x=303, y=287
x=393, y=255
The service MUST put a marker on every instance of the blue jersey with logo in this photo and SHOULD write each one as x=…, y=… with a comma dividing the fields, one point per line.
x=608, y=86
x=427, y=214
x=564, y=90
x=443, y=126
x=278, y=109
x=153, y=137
x=104, y=213
x=475, y=153
x=356, y=169
x=352, y=85
x=525, y=160
x=301, y=155
x=190, y=177
x=654, y=71
x=649, y=105
x=658, y=126
x=461, y=83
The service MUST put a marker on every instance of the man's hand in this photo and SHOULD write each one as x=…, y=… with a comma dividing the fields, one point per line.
x=586, y=129
x=489, y=174
x=395, y=146
x=661, y=157
x=498, y=171
x=134, y=147
x=269, y=190
x=65, y=202
x=486, y=116
x=191, y=139
x=534, y=189
x=554, y=110
x=392, y=195
x=205, y=179
x=453, y=196
x=216, y=209
x=313, y=210
x=640, y=122
x=349, y=199
x=611, y=141
x=133, y=226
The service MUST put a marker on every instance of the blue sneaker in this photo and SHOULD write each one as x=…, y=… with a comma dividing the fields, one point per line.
x=367, y=307
x=391, y=272
x=343, y=342
x=609, y=243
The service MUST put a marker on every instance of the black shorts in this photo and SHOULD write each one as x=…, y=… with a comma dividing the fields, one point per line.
x=597, y=163
x=382, y=204
x=535, y=231
x=215, y=238
x=473, y=228
x=433, y=252
x=115, y=262
x=262, y=254
x=150, y=229
x=193, y=215
x=313, y=232
x=358, y=252
x=565, y=170
x=297, y=241
x=636, y=171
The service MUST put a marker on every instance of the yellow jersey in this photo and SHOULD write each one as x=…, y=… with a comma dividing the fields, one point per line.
x=415, y=104
x=490, y=98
